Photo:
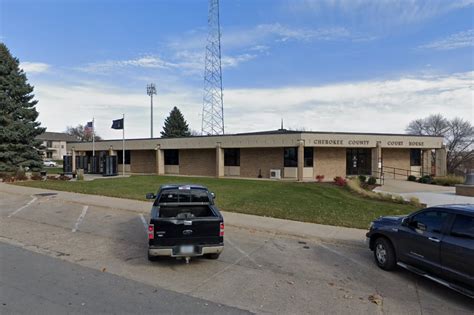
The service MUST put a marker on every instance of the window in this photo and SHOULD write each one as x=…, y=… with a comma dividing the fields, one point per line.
x=415, y=157
x=49, y=155
x=171, y=157
x=231, y=157
x=183, y=195
x=429, y=221
x=463, y=226
x=308, y=157
x=127, y=157
x=49, y=144
x=290, y=157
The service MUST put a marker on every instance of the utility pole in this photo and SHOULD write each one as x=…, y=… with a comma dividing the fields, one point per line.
x=151, y=90
x=213, y=102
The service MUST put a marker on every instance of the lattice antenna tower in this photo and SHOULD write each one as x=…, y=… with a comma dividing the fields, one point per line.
x=213, y=103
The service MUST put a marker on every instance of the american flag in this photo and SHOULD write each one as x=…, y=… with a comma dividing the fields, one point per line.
x=89, y=127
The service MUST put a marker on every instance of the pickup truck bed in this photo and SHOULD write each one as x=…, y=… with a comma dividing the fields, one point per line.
x=181, y=227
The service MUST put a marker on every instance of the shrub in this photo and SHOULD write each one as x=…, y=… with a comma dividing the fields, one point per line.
x=20, y=174
x=427, y=179
x=449, y=180
x=340, y=181
x=362, y=178
x=36, y=176
x=372, y=180
x=412, y=178
x=319, y=178
x=398, y=199
x=415, y=201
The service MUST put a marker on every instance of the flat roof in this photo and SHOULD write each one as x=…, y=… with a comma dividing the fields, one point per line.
x=272, y=132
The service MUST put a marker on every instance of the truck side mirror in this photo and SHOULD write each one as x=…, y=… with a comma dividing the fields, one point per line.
x=213, y=195
x=150, y=196
x=406, y=221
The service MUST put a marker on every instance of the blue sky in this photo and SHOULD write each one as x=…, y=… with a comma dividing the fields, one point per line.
x=349, y=65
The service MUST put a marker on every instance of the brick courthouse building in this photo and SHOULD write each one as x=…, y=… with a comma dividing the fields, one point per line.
x=277, y=154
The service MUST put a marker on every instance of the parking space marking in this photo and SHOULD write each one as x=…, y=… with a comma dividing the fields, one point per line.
x=145, y=224
x=25, y=206
x=81, y=217
x=243, y=252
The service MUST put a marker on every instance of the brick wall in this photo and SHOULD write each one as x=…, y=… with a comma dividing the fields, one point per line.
x=254, y=159
x=330, y=162
x=399, y=158
x=197, y=162
x=143, y=161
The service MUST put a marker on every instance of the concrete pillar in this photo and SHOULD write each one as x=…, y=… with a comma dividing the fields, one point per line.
x=377, y=160
x=300, y=159
x=426, y=162
x=160, y=161
x=73, y=160
x=219, y=161
x=440, y=161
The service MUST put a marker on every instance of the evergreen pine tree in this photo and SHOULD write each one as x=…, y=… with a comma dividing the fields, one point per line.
x=18, y=125
x=175, y=125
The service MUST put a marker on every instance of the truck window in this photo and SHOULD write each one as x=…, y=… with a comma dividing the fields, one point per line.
x=184, y=195
x=463, y=227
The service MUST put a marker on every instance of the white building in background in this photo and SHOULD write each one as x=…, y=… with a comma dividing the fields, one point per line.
x=54, y=144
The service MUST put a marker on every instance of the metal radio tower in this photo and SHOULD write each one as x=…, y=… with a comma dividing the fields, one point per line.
x=213, y=104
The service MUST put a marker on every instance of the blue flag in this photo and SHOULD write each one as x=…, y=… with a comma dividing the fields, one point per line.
x=117, y=124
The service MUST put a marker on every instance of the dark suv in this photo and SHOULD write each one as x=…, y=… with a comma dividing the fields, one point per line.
x=436, y=242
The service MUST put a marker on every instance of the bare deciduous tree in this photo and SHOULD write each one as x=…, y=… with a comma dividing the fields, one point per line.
x=81, y=133
x=458, y=137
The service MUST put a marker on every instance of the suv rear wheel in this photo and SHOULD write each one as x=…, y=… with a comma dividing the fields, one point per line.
x=384, y=254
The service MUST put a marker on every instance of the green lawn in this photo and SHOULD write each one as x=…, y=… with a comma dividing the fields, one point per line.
x=309, y=202
x=53, y=170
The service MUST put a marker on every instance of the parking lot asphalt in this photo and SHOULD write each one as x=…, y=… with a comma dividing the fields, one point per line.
x=259, y=271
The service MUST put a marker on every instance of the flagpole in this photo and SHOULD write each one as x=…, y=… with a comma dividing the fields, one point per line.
x=123, y=145
x=93, y=137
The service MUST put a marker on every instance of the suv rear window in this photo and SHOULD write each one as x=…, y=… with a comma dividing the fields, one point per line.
x=183, y=195
x=463, y=226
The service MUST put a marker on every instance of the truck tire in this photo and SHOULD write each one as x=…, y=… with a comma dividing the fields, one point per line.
x=152, y=258
x=212, y=256
x=384, y=254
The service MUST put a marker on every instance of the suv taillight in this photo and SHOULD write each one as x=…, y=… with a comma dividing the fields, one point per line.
x=151, y=231
x=221, y=230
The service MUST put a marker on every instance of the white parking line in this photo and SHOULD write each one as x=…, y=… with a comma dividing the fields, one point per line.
x=81, y=217
x=145, y=224
x=25, y=206
x=242, y=252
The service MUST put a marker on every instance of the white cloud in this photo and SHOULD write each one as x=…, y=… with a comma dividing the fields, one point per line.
x=371, y=106
x=382, y=13
x=454, y=41
x=148, y=61
x=34, y=67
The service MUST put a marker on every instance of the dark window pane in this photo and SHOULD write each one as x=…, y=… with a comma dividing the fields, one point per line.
x=415, y=157
x=171, y=157
x=463, y=226
x=429, y=221
x=127, y=156
x=231, y=157
x=199, y=195
x=169, y=196
x=290, y=157
x=308, y=157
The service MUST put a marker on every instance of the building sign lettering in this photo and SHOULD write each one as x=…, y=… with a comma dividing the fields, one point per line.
x=339, y=142
x=358, y=142
x=395, y=143
x=415, y=143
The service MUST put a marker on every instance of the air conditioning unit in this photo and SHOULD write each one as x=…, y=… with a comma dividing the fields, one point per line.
x=275, y=174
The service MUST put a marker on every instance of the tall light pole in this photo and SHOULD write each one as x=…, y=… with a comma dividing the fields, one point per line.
x=150, y=90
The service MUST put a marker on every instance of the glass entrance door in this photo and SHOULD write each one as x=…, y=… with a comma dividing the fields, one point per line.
x=358, y=161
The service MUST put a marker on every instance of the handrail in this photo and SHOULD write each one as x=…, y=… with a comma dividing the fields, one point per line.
x=405, y=172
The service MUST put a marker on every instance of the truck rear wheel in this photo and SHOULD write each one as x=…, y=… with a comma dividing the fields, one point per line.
x=212, y=256
x=152, y=258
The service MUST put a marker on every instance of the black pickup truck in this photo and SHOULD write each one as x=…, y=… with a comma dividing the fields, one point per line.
x=185, y=223
x=436, y=243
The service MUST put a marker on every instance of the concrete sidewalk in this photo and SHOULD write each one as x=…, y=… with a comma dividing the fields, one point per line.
x=246, y=221
x=431, y=195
